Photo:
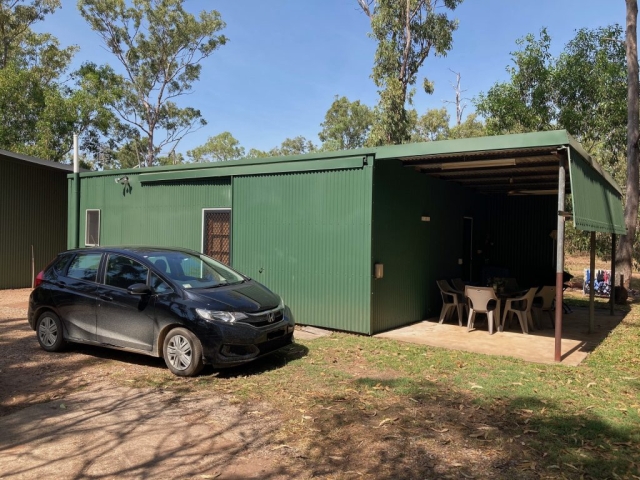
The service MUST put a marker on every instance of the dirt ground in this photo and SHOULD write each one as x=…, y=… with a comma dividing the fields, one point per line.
x=63, y=416
x=73, y=415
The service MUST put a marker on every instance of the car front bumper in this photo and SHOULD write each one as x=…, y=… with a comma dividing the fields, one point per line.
x=238, y=343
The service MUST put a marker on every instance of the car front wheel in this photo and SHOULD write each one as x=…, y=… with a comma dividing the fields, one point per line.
x=49, y=332
x=183, y=353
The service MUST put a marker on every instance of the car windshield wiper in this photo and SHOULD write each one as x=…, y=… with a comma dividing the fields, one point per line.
x=223, y=284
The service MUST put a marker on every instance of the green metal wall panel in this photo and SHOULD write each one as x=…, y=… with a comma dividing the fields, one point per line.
x=520, y=228
x=33, y=211
x=597, y=206
x=163, y=214
x=414, y=253
x=307, y=236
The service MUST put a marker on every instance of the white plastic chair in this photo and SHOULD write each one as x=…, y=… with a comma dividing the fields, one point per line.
x=458, y=285
x=544, y=302
x=451, y=300
x=482, y=300
x=521, y=307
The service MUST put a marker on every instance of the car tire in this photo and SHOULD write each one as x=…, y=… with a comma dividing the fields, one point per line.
x=49, y=332
x=182, y=353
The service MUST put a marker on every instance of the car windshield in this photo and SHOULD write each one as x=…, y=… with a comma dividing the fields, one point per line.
x=193, y=271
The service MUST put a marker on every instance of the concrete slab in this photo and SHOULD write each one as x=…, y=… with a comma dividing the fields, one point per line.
x=538, y=346
x=310, y=333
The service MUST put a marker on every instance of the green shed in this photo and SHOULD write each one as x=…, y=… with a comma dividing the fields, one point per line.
x=33, y=216
x=355, y=240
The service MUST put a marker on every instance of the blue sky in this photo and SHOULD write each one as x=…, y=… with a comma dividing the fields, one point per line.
x=287, y=59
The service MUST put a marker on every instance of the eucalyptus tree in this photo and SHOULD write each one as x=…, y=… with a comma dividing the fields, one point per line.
x=346, y=125
x=219, y=148
x=16, y=19
x=627, y=241
x=407, y=32
x=160, y=47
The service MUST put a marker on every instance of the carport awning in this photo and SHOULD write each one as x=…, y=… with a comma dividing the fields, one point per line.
x=597, y=206
x=523, y=164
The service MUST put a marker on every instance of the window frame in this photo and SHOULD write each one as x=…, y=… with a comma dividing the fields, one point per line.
x=86, y=227
x=218, y=209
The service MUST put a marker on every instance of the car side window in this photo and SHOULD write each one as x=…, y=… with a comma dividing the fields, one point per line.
x=122, y=272
x=158, y=285
x=84, y=266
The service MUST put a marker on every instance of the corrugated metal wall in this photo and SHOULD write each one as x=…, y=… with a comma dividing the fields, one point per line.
x=163, y=214
x=307, y=236
x=520, y=228
x=33, y=211
x=414, y=253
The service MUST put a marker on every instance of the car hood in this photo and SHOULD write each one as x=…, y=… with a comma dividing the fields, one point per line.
x=246, y=297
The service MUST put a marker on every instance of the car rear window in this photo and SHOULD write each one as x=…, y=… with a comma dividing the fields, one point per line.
x=84, y=266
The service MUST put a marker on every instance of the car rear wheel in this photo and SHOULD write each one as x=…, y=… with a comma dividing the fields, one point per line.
x=49, y=332
x=183, y=353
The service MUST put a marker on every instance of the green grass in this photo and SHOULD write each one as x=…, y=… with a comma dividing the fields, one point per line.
x=385, y=409
x=565, y=422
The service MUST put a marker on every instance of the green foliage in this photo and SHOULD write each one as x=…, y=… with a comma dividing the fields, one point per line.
x=160, y=46
x=255, y=153
x=16, y=19
x=434, y=125
x=41, y=104
x=471, y=127
x=346, y=125
x=293, y=146
x=220, y=148
x=583, y=90
x=407, y=31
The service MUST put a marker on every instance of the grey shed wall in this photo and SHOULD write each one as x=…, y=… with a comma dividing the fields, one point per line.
x=33, y=211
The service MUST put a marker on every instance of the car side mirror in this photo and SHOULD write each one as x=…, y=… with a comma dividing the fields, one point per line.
x=139, y=289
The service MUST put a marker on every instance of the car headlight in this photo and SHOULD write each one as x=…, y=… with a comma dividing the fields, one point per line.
x=281, y=304
x=219, y=316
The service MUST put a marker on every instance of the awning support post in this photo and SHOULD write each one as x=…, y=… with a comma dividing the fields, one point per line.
x=592, y=281
x=560, y=259
x=612, y=300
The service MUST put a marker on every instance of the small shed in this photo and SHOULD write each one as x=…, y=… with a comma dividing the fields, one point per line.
x=355, y=240
x=33, y=216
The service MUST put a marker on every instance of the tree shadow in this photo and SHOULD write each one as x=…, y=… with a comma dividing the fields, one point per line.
x=431, y=431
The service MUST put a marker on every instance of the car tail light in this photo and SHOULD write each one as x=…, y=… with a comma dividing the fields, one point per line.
x=39, y=279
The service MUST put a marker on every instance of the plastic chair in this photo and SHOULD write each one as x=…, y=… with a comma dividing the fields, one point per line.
x=458, y=285
x=544, y=302
x=482, y=300
x=451, y=300
x=511, y=285
x=521, y=306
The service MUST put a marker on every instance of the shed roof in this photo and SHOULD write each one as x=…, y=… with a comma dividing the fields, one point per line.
x=517, y=164
x=4, y=154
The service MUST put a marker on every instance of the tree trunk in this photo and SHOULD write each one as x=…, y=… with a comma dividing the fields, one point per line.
x=625, y=250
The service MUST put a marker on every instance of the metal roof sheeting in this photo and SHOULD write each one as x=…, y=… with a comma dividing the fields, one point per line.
x=596, y=205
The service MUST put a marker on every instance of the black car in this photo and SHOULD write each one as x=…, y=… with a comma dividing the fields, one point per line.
x=165, y=302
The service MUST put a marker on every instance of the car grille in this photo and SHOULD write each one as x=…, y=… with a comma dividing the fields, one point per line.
x=264, y=319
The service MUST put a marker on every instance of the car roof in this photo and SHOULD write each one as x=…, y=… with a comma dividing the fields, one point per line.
x=137, y=251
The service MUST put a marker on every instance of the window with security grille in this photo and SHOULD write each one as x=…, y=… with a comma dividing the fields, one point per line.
x=217, y=235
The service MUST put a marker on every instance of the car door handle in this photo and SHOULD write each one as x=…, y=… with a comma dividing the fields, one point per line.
x=106, y=297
